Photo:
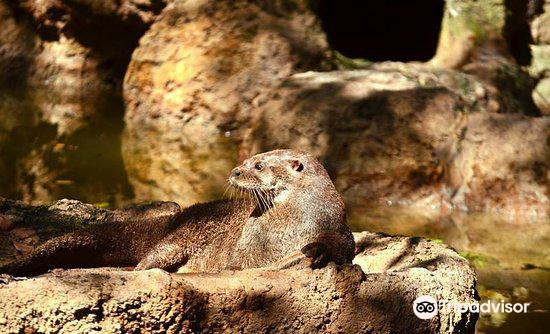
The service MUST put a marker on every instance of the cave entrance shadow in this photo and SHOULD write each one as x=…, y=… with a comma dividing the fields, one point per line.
x=399, y=30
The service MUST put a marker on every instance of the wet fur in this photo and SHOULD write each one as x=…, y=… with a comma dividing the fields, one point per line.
x=294, y=207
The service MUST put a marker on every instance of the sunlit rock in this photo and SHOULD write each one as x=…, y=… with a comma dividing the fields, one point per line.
x=376, y=295
x=540, y=51
x=412, y=135
x=195, y=83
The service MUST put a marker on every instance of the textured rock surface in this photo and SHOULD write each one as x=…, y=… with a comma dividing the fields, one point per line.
x=474, y=39
x=541, y=95
x=196, y=79
x=395, y=133
x=56, y=53
x=540, y=50
x=412, y=136
x=58, y=16
x=471, y=29
x=373, y=296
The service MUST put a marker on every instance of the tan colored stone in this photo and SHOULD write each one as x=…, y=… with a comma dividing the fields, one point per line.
x=374, y=296
x=470, y=29
x=540, y=27
x=198, y=75
x=541, y=96
x=540, y=64
x=413, y=136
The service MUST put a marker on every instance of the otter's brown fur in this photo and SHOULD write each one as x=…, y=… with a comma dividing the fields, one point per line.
x=294, y=207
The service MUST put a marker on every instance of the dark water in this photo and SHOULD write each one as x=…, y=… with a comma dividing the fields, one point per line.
x=47, y=155
x=511, y=257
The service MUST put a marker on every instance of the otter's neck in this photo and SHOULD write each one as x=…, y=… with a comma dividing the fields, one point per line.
x=318, y=205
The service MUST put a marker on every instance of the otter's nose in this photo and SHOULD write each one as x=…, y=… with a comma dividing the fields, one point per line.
x=236, y=172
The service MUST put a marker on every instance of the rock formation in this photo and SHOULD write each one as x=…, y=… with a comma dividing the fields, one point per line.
x=429, y=135
x=209, y=82
x=412, y=135
x=195, y=81
x=540, y=50
x=375, y=295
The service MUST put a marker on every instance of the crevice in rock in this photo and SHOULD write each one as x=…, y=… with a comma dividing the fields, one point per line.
x=397, y=30
x=516, y=29
x=112, y=39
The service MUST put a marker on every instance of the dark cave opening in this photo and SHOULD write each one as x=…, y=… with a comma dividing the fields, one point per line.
x=516, y=29
x=398, y=30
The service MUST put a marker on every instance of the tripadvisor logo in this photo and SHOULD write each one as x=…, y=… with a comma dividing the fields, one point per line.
x=426, y=307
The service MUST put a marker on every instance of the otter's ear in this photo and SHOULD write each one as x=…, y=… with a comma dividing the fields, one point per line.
x=296, y=165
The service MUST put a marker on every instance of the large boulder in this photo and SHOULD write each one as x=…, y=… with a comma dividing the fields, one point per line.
x=540, y=51
x=477, y=38
x=195, y=82
x=471, y=30
x=375, y=296
x=415, y=136
x=394, y=133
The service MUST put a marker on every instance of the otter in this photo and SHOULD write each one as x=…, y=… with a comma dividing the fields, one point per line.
x=293, y=214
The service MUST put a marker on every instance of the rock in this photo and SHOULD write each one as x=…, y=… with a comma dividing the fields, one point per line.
x=17, y=45
x=196, y=80
x=540, y=25
x=400, y=134
x=391, y=134
x=471, y=31
x=78, y=214
x=510, y=84
x=475, y=39
x=56, y=16
x=60, y=60
x=540, y=63
x=541, y=96
x=374, y=296
x=408, y=135
x=503, y=160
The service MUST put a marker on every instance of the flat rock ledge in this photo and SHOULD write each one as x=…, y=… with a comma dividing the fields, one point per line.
x=374, y=295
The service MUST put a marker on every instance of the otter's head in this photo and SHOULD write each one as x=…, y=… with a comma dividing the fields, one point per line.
x=273, y=177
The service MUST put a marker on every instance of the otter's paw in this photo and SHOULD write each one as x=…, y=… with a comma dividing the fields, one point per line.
x=295, y=260
x=318, y=253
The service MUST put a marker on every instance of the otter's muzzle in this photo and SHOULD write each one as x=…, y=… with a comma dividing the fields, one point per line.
x=236, y=172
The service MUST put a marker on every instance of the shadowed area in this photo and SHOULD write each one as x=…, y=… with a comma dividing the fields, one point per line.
x=400, y=30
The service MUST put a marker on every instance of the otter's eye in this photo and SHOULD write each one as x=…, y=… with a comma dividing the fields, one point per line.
x=259, y=166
